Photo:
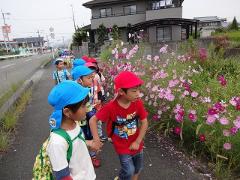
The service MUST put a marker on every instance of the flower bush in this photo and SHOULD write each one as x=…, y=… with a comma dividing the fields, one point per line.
x=191, y=97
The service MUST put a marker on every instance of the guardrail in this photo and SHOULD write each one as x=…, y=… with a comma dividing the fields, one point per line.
x=14, y=56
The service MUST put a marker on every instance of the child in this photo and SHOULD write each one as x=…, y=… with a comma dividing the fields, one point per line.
x=84, y=76
x=123, y=115
x=97, y=89
x=61, y=74
x=78, y=62
x=69, y=108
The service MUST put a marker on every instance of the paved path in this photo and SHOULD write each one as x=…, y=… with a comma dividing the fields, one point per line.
x=32, y=130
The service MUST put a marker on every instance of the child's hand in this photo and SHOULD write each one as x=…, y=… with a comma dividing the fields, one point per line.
x=95, y=145
x=134, y=146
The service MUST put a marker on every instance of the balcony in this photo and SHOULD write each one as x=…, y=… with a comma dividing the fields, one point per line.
x=174, y=12
x=121, y=20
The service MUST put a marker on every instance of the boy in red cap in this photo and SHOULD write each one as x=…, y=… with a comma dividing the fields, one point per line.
x=123, y=116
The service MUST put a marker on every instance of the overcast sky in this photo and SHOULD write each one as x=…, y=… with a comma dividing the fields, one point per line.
x=29, y=16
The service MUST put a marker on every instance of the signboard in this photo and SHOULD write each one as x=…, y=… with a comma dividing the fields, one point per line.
x=6, y=29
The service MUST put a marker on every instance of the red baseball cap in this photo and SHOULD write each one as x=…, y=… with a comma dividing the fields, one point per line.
x=92, y=60
x=85, y=58
x=127, y=80
x=90, y=64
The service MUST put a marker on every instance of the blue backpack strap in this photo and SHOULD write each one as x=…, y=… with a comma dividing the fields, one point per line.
x=65, y=135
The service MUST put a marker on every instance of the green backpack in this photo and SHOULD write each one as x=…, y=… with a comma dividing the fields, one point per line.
x=42, y=168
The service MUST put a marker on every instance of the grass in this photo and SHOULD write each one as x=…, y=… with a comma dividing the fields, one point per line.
x=4, y=140
x=9, y=92
x=10, y=118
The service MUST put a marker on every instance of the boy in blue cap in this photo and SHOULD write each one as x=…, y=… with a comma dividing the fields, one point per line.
x=69, y=108
x=84, y=76
x=78, y=62
x=61, y=74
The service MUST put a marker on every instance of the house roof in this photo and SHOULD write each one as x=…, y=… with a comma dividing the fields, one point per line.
x=28, y=39
x=99, y=2
x=210, y=19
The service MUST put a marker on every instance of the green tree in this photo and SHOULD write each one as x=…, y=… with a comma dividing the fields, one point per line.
x=79, y=36
x=115, y=32
x=102, y=34
x=234, y=25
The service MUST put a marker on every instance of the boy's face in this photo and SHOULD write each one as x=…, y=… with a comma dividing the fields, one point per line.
x=87, y=81
x=60, y=65
x=131, y=94
x=80, y=114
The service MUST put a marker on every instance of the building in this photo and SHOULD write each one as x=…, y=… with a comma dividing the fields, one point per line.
x=31, y=43
x=209, y=24
x=159, y=21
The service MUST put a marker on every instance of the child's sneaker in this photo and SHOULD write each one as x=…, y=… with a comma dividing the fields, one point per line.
x=96, y=162
x=103, y=138
x=116, y=178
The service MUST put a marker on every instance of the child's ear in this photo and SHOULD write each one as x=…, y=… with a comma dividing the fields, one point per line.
x=120, y=92
x=67, y=112
x=80, y=81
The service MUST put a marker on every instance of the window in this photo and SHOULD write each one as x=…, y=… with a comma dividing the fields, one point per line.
x=164, y=33
x=161, y=4
x=106, y=12
x=130, y=9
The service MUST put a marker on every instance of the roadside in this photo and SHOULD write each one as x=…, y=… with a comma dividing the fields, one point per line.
x=33, y=129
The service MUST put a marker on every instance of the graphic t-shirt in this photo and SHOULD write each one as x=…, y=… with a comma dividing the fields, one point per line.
x=122, y=124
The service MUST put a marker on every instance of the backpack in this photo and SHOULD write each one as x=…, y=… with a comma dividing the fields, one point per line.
x=42, y=168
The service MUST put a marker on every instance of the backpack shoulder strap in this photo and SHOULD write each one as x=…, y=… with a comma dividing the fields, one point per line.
x=65, y=74
x=65, y=135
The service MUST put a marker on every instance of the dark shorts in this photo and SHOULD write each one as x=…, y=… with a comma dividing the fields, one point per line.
x=130, y=165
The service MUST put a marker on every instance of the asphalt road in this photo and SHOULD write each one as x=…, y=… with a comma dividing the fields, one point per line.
x=162, y=161
x=13, y=71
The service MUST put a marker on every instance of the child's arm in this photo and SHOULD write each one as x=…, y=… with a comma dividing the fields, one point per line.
x=142, y=131
x=94, y=130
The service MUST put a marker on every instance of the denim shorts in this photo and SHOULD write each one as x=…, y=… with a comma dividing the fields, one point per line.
x=130, y=165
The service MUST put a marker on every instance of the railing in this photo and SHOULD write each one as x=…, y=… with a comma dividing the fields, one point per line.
x=119, y=14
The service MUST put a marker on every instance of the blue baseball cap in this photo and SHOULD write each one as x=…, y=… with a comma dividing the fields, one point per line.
x=80, y=71
x=66, y=93
x=78, y=62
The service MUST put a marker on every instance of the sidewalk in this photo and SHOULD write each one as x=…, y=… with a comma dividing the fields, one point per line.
x=32, y=130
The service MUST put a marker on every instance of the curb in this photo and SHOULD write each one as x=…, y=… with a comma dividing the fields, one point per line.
x=26, y=85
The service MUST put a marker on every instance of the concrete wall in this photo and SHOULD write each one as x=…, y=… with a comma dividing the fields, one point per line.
x=118, y=16
x=121, y=21
x=164, y=13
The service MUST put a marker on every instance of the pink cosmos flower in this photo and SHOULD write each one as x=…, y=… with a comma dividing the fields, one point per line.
x=194, y=94
x=203, y=54
x=149, y=57
x=156, y=58
x=170, y=97
x=226, y=133
x=224, y=121
x=124, y=51
x=234, y=130
x=155, y=117
x=210, y=120
x=212, y=111
x=192, y=117
x=227, y=146
x=177, y=130
x=179, y=118
x=237, y=122
x=163, y=50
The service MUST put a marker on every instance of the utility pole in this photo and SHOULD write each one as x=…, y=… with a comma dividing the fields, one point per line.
x=5, y=24
x=39, y=40
x=74, y=23
x=63, y=41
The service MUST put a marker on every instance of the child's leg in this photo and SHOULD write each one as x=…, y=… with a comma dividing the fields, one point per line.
x=138, y=164
x=127, y=167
